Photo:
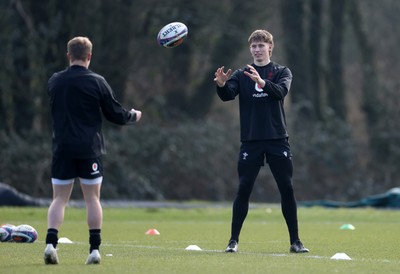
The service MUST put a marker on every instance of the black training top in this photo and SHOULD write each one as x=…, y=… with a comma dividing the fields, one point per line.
x=78, y=97
x=262, y=115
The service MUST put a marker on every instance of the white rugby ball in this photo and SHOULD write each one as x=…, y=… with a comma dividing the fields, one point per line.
x=5, y=232
x=24, y=234
x=172, y=35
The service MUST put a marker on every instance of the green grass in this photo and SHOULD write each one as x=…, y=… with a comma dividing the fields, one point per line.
x=373, y=245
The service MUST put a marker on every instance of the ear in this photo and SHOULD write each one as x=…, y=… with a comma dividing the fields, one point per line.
x=89, y=57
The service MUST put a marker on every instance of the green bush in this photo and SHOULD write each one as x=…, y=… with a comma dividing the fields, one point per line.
x=25, y=163
x=146, y=162
x=197, y=160
x=186, y=161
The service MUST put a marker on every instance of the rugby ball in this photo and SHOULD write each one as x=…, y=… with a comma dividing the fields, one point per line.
x=5, y=232
x=172, y=35
x=24, y=234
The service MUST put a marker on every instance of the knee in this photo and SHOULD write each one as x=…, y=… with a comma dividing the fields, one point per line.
x=244, y=191
x=92, y=201
x=286, y=190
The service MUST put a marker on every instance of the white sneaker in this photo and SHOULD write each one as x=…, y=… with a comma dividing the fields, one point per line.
x=50, y=255
x=94, y=257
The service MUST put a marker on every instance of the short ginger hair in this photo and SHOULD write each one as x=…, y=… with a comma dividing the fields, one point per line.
x=79, y=48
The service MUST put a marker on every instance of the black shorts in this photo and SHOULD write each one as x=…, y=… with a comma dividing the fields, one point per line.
x=256, y=152
x=65, y=169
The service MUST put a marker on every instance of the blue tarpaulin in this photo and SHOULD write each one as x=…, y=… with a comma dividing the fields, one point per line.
x=389, y=199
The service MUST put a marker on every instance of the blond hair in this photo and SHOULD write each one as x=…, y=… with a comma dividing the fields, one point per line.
x=79, y=48
x=264, y=36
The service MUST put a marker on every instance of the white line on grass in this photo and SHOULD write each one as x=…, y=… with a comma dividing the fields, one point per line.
x=221, y=251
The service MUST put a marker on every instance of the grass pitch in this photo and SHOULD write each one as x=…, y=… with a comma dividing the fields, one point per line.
x=264, y=246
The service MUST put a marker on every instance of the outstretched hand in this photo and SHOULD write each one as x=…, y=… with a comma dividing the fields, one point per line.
x=253, y=74
x=221, y=77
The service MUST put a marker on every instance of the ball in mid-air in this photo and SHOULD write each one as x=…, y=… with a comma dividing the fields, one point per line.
x=24, y=234
x=172, y=35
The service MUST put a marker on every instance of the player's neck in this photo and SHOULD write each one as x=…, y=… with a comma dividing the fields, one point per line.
x=80, y=63
x=262, y=63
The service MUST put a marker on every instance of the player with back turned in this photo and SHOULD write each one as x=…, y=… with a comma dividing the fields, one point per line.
x=78, y=100
x=261, y=88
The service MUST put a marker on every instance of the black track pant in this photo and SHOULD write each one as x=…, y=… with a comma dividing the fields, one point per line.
x=282, y=171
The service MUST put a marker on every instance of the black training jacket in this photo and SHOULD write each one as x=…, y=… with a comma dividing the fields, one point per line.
x=262, y=116
x=78, y=99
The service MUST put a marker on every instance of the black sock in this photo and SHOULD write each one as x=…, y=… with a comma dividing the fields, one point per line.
x=52, y=237
x=94, y=239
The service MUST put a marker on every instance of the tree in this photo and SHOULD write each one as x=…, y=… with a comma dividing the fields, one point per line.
x=334, y=77
x=297, y=52
x=6, y=73
x=316, y=74
x=330, y=46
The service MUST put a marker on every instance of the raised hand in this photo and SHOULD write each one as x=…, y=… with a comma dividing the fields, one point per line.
x=221, y=77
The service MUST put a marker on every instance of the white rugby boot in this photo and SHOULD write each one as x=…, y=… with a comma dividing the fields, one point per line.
x=94, y=257
x=50, y=255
